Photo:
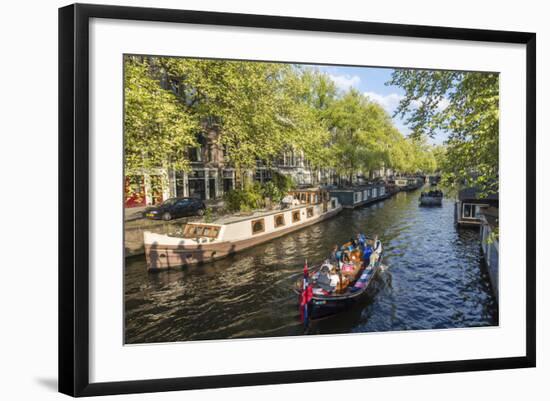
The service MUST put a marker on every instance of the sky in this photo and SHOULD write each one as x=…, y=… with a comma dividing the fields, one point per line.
x=371, y=82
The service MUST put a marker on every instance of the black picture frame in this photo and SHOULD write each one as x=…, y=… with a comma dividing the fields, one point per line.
x=74, y=200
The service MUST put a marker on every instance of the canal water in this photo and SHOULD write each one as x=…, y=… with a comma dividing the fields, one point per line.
x=435, y=279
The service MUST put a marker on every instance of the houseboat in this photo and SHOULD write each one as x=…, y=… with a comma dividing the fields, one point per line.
x=206, y=242
x=358, y=196
x=489, y=244
x=407, y=183
x=469, y=205
x=401, y=184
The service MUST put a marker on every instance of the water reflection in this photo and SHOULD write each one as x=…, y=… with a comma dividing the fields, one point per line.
x=434, y=281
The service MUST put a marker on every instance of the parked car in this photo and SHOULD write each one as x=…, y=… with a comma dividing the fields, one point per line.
x=176, y=207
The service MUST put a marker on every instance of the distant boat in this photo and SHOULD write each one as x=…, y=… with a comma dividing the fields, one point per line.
x=431, y=198
x=350, y=282
x=206, y=242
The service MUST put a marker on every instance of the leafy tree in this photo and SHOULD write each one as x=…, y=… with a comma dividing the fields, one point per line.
x=259, y=110
x=464, y=104
x=157, y=130
x=258, y=107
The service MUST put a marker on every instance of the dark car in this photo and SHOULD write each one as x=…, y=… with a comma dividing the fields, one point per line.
x=176, y=207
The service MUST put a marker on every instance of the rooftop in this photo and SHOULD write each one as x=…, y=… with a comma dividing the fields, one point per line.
x=474, y=193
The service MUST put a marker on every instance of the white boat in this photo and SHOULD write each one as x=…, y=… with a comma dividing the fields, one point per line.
x=206, y=242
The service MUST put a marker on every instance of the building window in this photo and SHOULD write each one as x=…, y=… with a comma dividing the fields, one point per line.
x=469, y=211
x=258, y=226
x=295, y=216
x=279, y=220
x=195, y=154
x=309, y=211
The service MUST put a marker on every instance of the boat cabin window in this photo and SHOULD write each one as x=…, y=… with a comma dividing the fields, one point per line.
x=197, y=230
x=309, y=212
x=279, y=220
x=356, y=197
x=295, y=216
x=258, y=226
x=470, y=211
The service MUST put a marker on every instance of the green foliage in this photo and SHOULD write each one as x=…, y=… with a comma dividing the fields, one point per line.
x=284, y=183
x=157, y=130
x=259, y=111
x=271, y=191
x=465, y=105
x=253, y=195
x=208, y=215
x=249, y=198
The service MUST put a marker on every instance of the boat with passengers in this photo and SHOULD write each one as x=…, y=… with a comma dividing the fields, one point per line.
x=431, y=198
x=341, y=280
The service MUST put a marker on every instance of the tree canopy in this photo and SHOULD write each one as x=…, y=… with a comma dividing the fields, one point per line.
x=465, y=105
x=260, y=110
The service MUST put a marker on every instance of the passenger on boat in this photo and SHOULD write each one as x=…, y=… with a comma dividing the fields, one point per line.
x=334, y=280
x=286, y=202
x=345, y=258
x=367, y=252
x=361, y=241
x=324, y=278
x=377, y=248
x=335, y=255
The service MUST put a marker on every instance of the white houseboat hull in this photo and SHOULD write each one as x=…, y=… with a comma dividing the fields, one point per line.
x=164, y=251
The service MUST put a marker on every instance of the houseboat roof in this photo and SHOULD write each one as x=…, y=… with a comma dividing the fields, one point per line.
x=356, y=188
x=233, y=218
x=473, y=193
x=309, y=189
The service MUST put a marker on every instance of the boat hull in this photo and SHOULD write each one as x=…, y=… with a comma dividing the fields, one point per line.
x=431, y=201
x=160, y=256
x=324, y=306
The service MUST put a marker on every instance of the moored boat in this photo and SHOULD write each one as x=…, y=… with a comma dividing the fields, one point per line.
x=203, y=242
x=431, y=198
x=333, y=287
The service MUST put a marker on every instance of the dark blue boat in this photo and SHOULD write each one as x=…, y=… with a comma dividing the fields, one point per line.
x=327, y=299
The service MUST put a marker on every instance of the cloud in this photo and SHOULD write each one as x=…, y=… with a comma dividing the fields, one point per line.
x=344, y=82
x=390, y=101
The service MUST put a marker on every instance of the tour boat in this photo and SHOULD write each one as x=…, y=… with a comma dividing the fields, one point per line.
x=205, y=242
x=350, y=281
x=431, y=198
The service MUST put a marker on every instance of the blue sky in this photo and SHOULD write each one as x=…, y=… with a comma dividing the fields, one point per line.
x=371, y=82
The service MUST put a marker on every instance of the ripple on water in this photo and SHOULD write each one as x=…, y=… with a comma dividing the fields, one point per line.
x=434, y=281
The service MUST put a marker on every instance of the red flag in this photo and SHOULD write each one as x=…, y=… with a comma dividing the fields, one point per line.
x=306, y=295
